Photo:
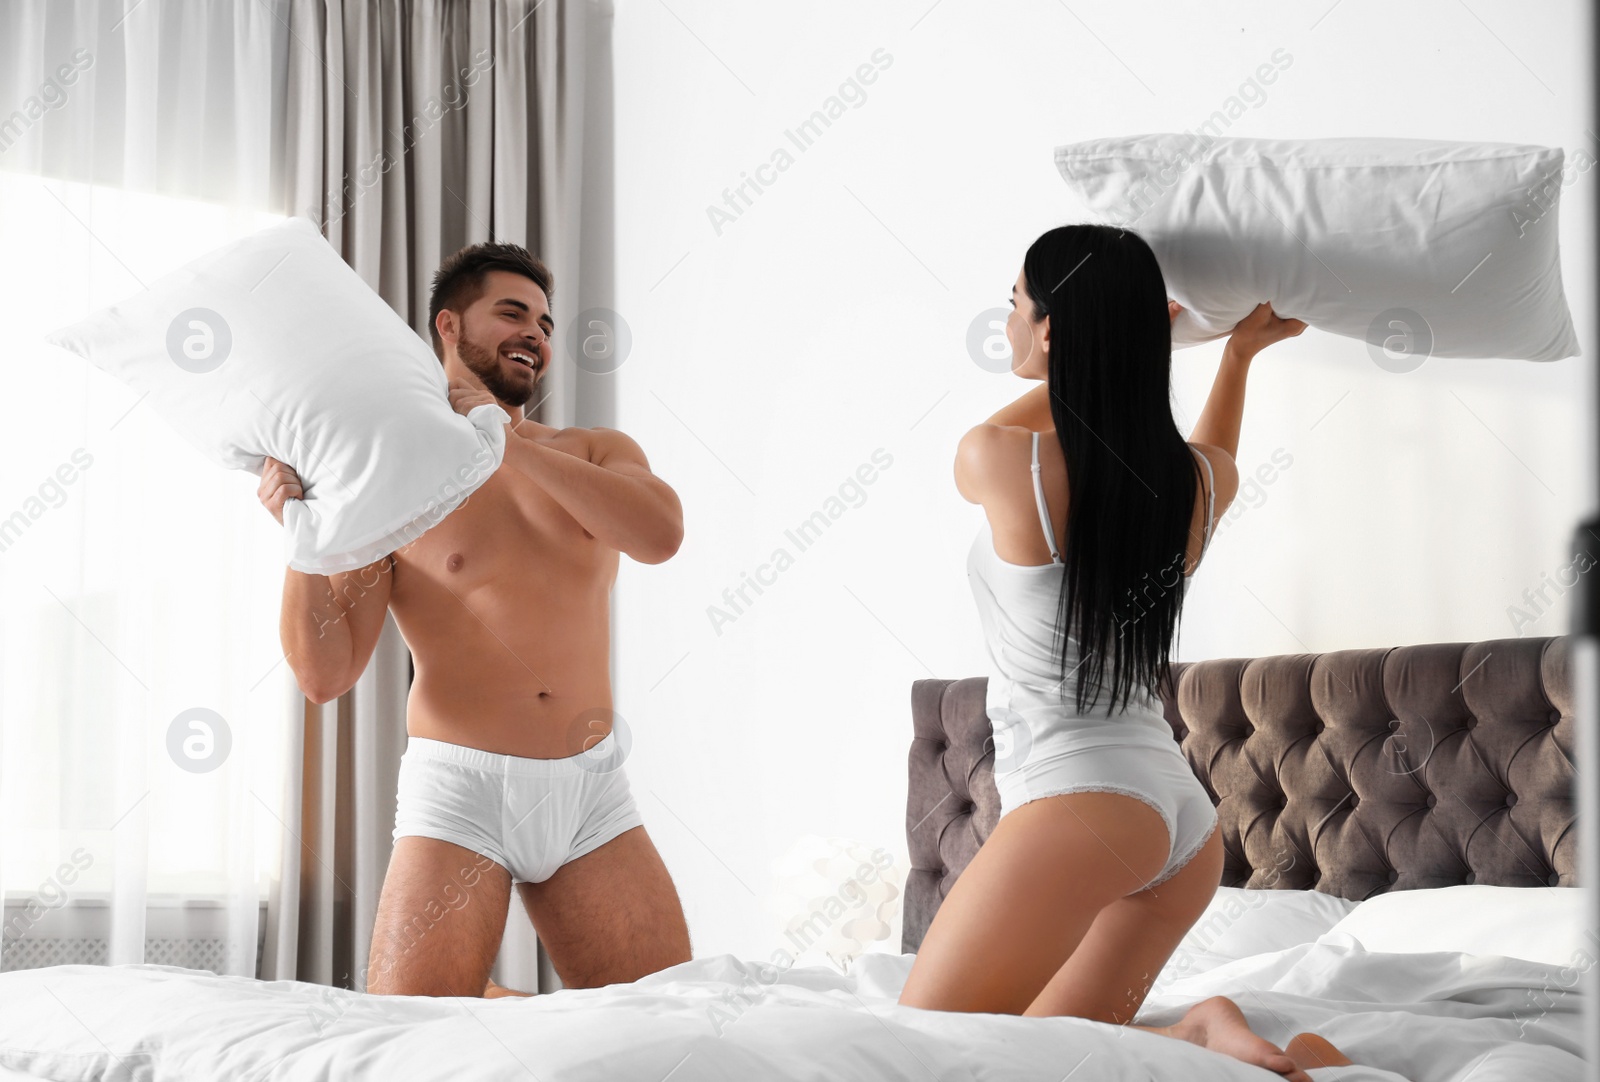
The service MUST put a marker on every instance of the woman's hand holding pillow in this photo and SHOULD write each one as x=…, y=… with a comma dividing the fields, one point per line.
x=1260, y=329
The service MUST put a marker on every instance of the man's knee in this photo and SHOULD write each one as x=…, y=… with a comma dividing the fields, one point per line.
x=388, y=975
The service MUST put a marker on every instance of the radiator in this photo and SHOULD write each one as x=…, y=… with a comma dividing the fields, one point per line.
x=190, y=935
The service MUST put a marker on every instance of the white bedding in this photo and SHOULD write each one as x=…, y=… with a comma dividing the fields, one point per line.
x=1440, y=1017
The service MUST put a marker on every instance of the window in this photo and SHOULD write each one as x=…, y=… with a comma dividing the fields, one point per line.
x=138, y=581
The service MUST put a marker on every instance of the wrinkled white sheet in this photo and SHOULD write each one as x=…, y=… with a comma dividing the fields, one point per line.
x=1425, y=1018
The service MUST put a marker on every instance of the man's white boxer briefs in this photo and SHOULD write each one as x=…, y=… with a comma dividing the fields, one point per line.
x=529, y=815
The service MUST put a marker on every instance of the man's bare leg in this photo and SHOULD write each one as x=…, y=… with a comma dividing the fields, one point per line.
x=609, y=917
x=440, y=918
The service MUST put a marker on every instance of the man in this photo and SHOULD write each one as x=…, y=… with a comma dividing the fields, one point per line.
x=504, y=605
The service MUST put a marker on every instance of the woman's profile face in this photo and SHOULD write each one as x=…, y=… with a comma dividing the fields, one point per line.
x=1030, y=340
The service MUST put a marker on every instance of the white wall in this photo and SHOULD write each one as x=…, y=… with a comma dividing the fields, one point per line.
x=829, y=320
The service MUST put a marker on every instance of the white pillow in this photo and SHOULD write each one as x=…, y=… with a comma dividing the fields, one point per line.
x=1241, y=923
x=1541, y=924
x=273, y=345
x=1418, y=247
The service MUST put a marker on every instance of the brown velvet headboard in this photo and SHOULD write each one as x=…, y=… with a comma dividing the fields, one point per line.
x=1352, y=772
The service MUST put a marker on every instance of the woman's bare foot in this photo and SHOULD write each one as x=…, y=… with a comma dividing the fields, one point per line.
x=1310, y=1051
x=1218, y=1024
x=495, y=991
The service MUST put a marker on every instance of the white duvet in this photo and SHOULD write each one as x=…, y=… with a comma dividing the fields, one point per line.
x=1422, y=1017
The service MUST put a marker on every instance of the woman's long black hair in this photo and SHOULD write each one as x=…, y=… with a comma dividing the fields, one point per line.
x=1132, y=479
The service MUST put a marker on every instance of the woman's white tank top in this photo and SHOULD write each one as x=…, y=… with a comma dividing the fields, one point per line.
x=1017, y=606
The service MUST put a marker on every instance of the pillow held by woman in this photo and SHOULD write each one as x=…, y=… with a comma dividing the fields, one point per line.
x=1421, y=248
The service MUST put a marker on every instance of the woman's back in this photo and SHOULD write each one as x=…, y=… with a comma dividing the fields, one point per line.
x=1017, y=590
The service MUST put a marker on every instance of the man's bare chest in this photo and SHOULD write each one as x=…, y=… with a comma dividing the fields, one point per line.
x=506, y=538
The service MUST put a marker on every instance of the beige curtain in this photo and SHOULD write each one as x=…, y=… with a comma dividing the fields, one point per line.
x=410, y=130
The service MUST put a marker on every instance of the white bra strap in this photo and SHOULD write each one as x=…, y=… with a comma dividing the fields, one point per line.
x=1044, y=510
x=1211, y=491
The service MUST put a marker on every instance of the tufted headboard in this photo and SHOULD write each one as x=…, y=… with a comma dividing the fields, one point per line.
x=1352, y=772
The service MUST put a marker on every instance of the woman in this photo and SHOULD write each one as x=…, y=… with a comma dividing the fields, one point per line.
x=1106, y=851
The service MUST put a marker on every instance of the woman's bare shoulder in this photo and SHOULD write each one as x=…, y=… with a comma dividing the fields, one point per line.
x=988, y=459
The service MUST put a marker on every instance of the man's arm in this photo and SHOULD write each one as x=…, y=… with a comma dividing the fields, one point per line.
x=329, y=624
x=612, y=494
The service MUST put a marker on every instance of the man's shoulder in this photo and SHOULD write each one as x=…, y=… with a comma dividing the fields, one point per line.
x=595, y=443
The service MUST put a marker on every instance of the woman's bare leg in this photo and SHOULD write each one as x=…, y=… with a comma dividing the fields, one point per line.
x=500, y=991
x=1310, y=1051
x=1029, y=896
x=1218, y=1024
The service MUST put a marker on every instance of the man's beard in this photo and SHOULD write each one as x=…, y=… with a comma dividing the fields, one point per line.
x=487, y=367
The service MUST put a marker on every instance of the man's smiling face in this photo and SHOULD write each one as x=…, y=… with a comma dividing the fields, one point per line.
x=504, y=336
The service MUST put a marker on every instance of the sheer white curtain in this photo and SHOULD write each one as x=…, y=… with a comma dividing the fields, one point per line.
x=161, y=130
x=141, y=690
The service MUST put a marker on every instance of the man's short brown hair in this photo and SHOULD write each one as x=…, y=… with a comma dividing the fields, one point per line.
x=459, y=280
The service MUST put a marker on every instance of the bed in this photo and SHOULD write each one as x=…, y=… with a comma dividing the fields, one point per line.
x=1348, y=775
x=1403, y=773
